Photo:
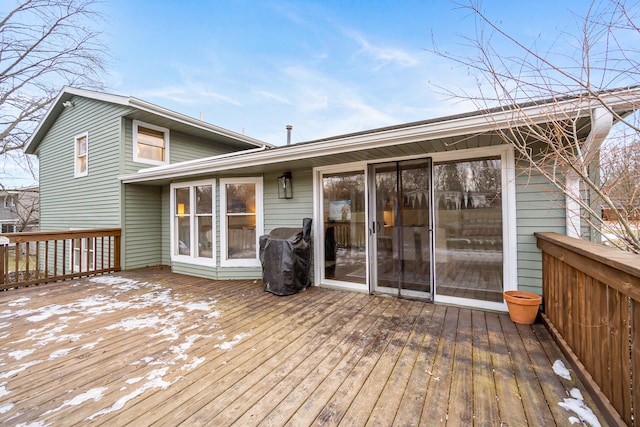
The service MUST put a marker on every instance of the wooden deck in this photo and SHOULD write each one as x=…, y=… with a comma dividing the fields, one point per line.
x=148, y=347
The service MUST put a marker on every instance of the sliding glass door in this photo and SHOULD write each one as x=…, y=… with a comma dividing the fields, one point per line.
x=432, y=228
x=469, y=229
x=344, y=229
x=401, y=224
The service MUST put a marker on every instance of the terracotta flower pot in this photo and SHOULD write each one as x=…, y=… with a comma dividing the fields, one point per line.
x=523, y=306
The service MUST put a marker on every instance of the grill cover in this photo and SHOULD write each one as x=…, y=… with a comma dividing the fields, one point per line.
x=285, y=255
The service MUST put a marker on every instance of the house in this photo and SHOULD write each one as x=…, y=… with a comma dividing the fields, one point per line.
x=438, y=209
x=19, y=209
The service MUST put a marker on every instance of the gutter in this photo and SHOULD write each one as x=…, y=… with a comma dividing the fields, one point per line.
x=188, y=165
x=601, y=123
x=438, y=129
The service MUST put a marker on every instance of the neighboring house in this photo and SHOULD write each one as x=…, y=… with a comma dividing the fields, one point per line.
x=435, y=209
x=19, y=210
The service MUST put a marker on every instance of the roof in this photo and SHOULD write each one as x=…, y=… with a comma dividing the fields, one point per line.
x=623, y=101
x=622, y=95
x=189, y=124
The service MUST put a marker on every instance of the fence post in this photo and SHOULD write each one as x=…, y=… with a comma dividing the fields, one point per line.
x=4, y=241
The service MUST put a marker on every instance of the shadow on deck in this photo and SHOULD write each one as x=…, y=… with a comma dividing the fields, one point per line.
x=149, y=346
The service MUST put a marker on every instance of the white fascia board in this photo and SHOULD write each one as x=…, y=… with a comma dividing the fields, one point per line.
x=68, y=92
x=100, y=96
x=469, y=125
x=188, y=164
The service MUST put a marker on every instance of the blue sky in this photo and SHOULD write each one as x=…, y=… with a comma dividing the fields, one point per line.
x=327, y=68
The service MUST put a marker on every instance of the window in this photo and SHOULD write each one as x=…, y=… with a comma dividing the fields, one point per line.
x=242, y=216
x=193, y=225
x=150, y=144
x=81, y=155
x=9, y=228
x=83, y=254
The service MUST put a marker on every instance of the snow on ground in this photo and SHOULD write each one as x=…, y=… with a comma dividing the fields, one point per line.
x=575, y=403
x=172, y=319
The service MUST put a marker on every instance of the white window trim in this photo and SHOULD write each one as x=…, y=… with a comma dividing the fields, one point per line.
x=83, y=265
x=253, y=262
x=193, y=259
x=76, y=172
x=134, y=131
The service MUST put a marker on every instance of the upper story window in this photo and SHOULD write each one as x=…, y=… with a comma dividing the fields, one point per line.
x=81, y=155
x=150, y=144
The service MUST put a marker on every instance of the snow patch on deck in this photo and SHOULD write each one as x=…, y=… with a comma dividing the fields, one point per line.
x=576, y=404
x=561, y=370
x=94, y=394
x=19, y=354
x=228, y=345
x=154, y=380
x=169, y=317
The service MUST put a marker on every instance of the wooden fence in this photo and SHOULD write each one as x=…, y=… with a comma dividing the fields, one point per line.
x=48, y=256
x=591, y=297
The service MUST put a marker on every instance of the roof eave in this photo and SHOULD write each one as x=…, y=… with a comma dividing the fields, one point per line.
x=460, y=125
x=164, y=112
x=69, y=92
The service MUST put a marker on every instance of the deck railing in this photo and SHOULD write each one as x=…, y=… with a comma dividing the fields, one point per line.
x=49, y=256
x=591, y=297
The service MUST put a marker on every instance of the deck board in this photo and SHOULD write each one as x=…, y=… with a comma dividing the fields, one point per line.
x=150, y=347
x=510, y=407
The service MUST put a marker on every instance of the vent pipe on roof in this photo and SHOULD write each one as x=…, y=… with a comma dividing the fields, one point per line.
x=289, y=127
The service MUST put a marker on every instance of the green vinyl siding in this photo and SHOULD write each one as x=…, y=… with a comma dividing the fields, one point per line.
x=142, y=230
x=182, y=147
x=539, y=208
x=220, y=273
x=92, y=201
x=186, y=147
x=288, y=212
x=166, y=228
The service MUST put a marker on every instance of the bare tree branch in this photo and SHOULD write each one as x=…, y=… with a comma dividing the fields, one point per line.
x=44, y=45
x=603, y=57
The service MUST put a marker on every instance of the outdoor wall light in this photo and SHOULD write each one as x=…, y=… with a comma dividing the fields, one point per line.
x=285, y=186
